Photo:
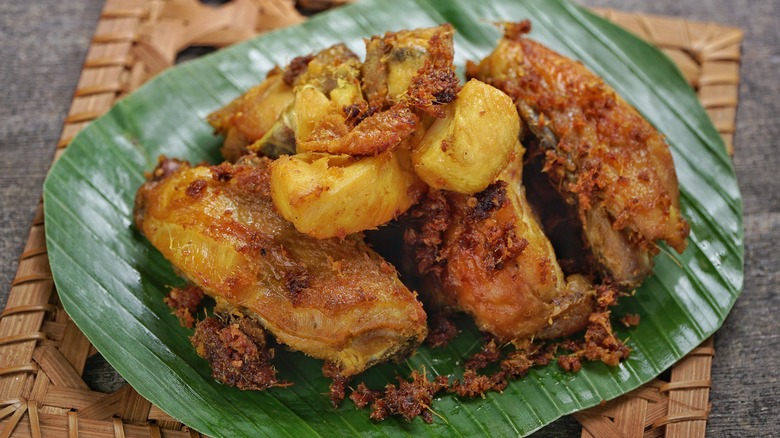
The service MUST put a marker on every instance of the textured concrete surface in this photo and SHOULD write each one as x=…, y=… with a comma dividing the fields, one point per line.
x=45, y=42
x=44, y=45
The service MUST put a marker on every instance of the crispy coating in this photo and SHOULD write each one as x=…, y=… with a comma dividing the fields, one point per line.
x=334, y=299
x=236, y=358
x=602, y=154
x=487, y=255
x=184, y=303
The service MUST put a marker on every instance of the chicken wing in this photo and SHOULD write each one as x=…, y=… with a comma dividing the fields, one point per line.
x=602, y=154
x=333, y=299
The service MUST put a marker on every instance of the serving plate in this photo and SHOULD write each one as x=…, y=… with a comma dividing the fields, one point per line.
x=111, y=281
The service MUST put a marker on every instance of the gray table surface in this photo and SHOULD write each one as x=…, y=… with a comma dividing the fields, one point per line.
x=44, y=43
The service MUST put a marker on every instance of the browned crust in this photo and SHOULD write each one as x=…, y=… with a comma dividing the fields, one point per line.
x=236, y=359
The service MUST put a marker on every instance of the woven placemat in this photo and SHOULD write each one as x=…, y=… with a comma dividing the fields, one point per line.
x=43, y=354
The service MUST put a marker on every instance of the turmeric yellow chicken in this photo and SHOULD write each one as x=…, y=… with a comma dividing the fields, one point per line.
x=333, y=299
x=605, y=158
x=249, y=117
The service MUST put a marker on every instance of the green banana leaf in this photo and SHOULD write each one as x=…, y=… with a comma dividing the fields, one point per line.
x=111, y=281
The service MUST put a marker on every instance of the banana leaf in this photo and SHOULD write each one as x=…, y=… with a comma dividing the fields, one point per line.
x=112, y=282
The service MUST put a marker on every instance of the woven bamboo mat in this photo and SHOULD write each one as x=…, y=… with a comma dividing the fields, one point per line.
x=43, y=354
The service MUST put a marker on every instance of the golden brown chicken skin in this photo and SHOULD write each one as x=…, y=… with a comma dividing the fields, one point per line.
x=250, y=116
x=602, y=154
x=487, y=256
x=333, y=299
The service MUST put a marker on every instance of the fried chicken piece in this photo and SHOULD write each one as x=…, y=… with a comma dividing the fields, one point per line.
x=333, y=299
x=252, y=115
x=262, y=119
x=331, y=112
x=602, y=154
x=411, y=66
x=405, y=73
x=353, y=167
x=377, y=133
x=326, y=100
x=487, y=255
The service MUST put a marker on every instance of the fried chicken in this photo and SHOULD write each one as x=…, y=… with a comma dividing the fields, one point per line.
x=357, y=145
x=333, y=299
x=605, y=158
x=487, y=255
x=249, y=117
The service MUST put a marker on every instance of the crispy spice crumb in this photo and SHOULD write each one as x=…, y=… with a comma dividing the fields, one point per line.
x=489, y=354
x=570, y=363
x=432, y=218
x=600, y=343
x=407, y=399
x=410, y=399
x=363, y=397
x=184, y=303
x=236, y=359
x=474, y=384
x=338, y=385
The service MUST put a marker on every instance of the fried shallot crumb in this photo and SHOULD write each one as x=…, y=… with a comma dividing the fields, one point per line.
x=184, y=303
x=519, y=362
x=489, y=354
x=338, y=385
x=411, y=399
x=474, y=384
x=407, y=399
x=570, y=363
x=363, y=397
x=236, y=358
x=600, y=342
